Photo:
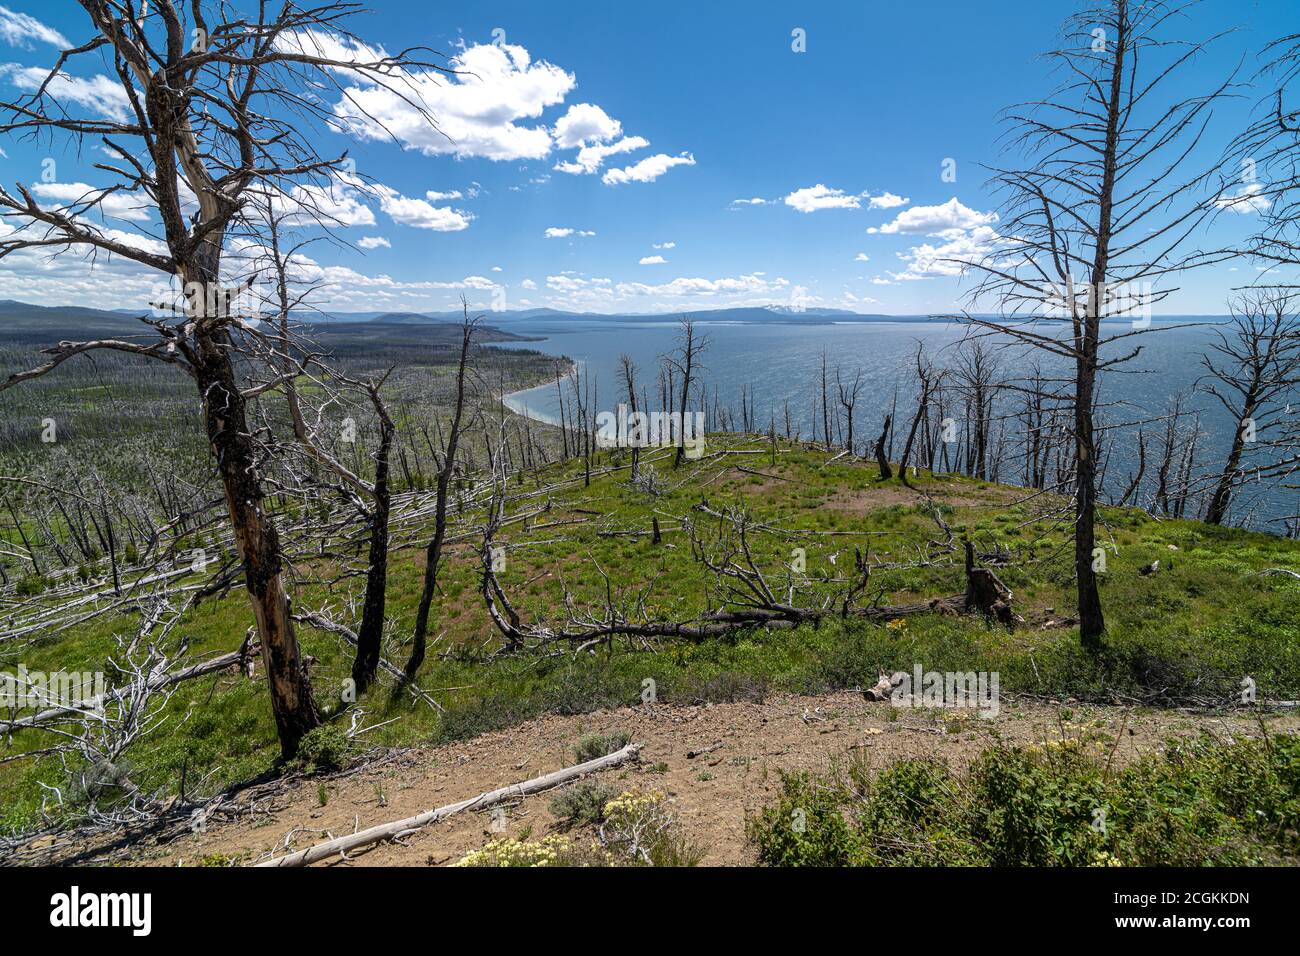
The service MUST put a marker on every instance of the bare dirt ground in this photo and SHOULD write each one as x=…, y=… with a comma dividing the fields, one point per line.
x=711, y=795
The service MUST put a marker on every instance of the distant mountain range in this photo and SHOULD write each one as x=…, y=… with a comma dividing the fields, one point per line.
x=25, y=322
x=783, y=314
x=18, y=318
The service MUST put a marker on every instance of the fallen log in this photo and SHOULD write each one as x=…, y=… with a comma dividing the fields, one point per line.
x=1293, y=574
x=387, y=831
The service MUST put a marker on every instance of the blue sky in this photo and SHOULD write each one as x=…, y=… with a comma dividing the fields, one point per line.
x=693, y=106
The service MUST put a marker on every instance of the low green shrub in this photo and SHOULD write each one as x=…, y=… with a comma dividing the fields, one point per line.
x=33, y=584
x=1197, y=803
x=323, y=749
x=592, y=746
x=583, y=803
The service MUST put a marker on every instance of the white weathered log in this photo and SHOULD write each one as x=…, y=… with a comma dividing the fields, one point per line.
x=387, y=831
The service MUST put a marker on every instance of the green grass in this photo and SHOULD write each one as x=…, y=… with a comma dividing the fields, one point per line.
x=1196, y=628
x=1059, y=804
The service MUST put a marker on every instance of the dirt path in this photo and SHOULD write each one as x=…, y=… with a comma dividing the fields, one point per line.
x=711, y=795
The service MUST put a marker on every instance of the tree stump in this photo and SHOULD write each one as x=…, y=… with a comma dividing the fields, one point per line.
x=986, y=593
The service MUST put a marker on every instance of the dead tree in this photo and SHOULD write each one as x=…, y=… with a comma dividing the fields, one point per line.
x=1135, y=483
x=1100, y=213
x=377, y=490
x=433, y=553
x=686, y=360
x=1251, y=368
x=1267, y=159
x=206, y=123
x=977, y=379
x=927, y=380
x=848, y=398
x=1172, y=444
x=826, y=409
x=628, y=369
x=583, y=387
x=882, y=456
x=288, y=295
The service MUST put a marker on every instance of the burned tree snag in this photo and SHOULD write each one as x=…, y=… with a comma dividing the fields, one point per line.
x=882, y=458
x=433, y=553
x=370, y=635
x=256, y=537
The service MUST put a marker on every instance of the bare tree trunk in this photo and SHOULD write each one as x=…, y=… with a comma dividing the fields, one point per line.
x=370, y=634
x=882, y=459
x=1092, y=623
x=690, y=348
x=629, y=379
x=433, y=554
x=826, y=412
x=257, y=539
x=1136, y=483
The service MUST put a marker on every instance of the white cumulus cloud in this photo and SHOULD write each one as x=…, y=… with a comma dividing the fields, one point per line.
x=948, y=220
x=335, y=204
x=418, y=213
x=591, y=158
x=115, y=205
x=813, y=198
x=887, y=200
x=585, y=123
x=563, y=232
x=481, y=111
x=949, y=258
x=647, y=170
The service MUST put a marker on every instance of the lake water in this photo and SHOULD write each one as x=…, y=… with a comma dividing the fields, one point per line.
x=781, y=362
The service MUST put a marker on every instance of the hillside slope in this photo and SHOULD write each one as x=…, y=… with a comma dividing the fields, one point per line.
x=1185, y=635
